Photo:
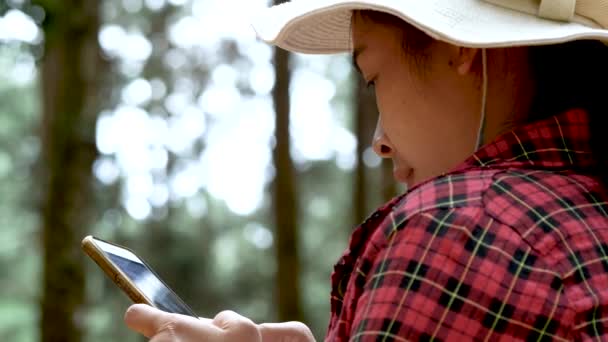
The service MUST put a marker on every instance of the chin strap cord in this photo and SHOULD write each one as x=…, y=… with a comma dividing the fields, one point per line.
x=484, y=95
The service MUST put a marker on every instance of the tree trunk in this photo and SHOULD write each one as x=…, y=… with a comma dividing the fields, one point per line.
x=69, y=73
x=365, y=120
x=284, y=198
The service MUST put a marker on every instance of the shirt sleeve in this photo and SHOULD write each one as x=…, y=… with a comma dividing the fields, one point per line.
x=445, y=275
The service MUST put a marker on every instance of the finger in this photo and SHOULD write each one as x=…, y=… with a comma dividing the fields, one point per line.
x=236, y=327
x=170, y=336
x=163, y=337
x=226, y=318
x=206, y=320
x=146, y=320
x=288, y=331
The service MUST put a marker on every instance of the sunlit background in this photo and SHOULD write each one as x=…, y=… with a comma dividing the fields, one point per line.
x=184, y=167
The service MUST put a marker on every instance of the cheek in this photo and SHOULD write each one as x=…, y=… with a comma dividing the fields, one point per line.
x=424, y=131
x=403, y=113
x=396, y=97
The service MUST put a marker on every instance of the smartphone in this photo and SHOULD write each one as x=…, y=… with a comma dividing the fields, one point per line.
x=130, y=273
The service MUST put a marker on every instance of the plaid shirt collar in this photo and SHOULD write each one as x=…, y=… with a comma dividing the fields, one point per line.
x=560, y=143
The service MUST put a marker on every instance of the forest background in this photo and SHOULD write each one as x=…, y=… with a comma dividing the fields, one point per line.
x=236, y=170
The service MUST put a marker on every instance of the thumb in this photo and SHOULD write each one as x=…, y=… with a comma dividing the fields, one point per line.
x=286, y=332
x=145, y=319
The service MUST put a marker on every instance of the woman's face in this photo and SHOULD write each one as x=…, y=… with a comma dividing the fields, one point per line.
x=428, y=115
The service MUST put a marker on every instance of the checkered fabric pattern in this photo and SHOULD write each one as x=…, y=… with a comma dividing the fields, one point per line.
x=511, y=245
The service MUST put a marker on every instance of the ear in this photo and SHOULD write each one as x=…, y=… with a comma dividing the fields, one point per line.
x=464, y=60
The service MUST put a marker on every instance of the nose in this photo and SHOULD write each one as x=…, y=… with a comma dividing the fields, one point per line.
x=381, y=144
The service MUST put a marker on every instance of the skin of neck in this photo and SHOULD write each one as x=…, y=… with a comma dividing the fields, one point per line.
x=511, y=90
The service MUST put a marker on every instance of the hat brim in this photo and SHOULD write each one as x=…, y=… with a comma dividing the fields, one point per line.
x=323, y=26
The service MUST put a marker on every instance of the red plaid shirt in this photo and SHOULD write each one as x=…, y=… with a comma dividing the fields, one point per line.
x=511, y=245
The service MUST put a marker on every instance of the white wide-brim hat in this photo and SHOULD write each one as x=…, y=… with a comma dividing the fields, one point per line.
x=324, y=26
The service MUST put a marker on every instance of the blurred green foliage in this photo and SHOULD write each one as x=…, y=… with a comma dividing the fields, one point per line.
x=19, y=147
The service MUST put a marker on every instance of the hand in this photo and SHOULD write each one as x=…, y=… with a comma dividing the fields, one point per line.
x=227, y=326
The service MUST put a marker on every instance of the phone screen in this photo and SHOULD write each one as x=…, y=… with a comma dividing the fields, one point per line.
x=152, y=287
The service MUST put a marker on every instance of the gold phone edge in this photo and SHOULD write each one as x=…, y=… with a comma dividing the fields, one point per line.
x=114, y=273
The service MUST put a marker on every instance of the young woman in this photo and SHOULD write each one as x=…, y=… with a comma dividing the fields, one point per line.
x=493, y=112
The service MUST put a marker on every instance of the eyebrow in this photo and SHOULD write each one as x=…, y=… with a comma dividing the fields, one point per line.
x=356, y=53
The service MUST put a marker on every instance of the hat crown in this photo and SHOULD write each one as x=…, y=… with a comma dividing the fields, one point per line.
x=587, y=12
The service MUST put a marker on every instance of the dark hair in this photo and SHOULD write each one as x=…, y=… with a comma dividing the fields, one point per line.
x=568, y=75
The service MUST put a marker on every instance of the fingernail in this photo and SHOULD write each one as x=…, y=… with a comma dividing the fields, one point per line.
x=132, y=310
